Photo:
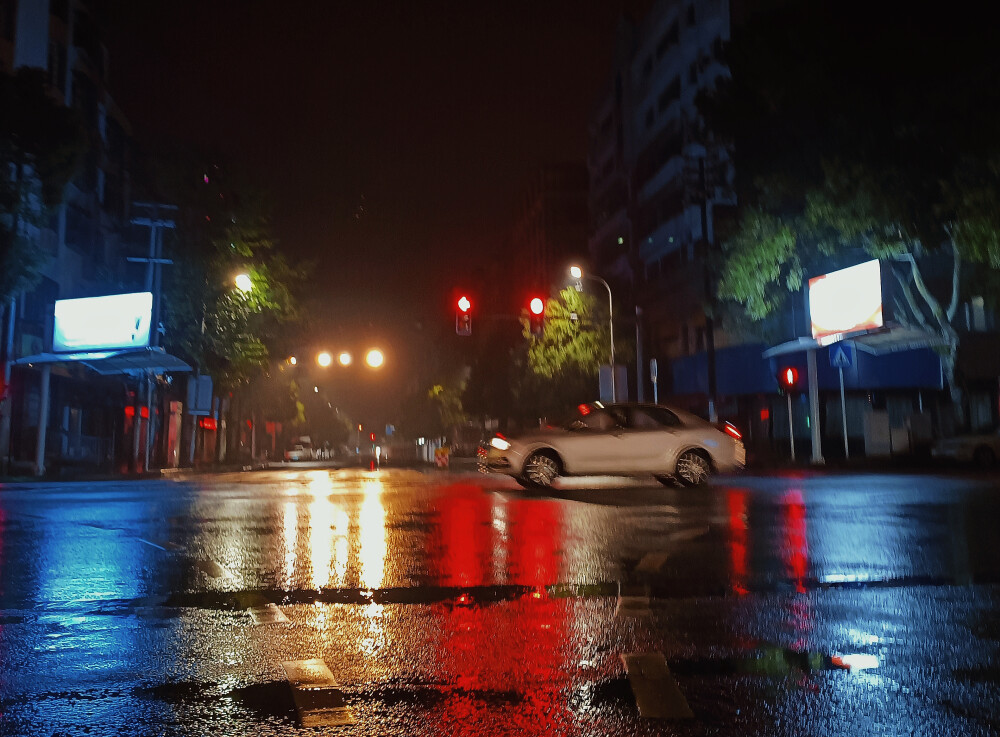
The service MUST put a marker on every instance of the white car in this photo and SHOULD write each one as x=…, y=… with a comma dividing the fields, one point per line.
x=621, y=440
x=982, y=448
x=299, y=452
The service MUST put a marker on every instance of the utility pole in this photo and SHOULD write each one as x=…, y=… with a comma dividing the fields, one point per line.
x=153, y=282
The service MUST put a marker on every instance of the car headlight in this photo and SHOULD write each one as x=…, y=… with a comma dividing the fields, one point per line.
x=499, y=443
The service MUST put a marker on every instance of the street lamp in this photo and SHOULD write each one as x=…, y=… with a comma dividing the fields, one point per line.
x=324, y=359
x=244, y=283
x=375, y=358
x=577, y=273
x=344, y=358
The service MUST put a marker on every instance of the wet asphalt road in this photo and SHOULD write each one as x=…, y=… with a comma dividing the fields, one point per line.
x=449, y=603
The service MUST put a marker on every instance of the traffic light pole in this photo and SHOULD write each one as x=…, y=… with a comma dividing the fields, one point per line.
x=791, y=429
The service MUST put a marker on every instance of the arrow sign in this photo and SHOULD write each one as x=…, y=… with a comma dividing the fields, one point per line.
x=841, y=356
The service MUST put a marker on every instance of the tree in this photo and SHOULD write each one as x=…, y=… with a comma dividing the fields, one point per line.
x=560, y=367
x=223, y=229
x=41, y=145
x=854, y=141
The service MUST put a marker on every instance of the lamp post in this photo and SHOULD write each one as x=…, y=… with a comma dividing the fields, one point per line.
x=577, y=273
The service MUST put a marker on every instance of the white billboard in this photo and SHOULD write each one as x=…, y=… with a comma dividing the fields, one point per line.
x=102, y=323
x=846, y=301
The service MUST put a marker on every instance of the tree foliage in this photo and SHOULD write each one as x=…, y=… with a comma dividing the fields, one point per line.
x=860, y=140
x=41, y=145
x=559, y=368
x=223, y=229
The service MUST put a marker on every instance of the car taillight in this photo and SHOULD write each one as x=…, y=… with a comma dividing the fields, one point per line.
x=730, y=429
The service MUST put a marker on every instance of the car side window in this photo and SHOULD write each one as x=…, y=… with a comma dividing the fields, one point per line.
x=651, y=418
x=598, y=421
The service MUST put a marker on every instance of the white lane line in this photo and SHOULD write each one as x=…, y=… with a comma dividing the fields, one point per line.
x=317, y=695
x=656, y=692
x=267, y=614
x=152, y=544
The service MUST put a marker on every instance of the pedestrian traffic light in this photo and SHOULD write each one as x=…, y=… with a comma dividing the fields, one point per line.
x=536, y=317
x=788, y=379
x=463, y=316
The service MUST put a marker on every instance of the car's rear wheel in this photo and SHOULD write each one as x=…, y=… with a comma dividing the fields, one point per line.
x=693, y=468
x=540, y=470
x=984, y=457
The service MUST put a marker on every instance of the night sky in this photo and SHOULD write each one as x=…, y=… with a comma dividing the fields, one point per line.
x=393, y=138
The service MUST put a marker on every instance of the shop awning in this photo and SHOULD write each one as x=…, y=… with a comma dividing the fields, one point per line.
x=110, y=363
x=877, y=343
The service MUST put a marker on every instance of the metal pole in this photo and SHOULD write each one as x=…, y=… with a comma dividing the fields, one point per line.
x=43, y=420
x=640, y=385
x=843, y=412
x=611, y=328
x=791, y=429
x=817, y=438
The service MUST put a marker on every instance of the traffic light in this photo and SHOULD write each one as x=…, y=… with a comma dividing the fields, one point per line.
x=463, y=316
x=372, y=436
x=536, y=317
x=788, y=379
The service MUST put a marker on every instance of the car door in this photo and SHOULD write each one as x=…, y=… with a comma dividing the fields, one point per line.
x=594, y=443
x=651, y=432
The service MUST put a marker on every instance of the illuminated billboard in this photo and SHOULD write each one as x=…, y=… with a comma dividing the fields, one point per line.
x=846, y=301
x=100, y=323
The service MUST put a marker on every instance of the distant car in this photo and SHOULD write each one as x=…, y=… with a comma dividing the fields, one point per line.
x=618, y=439
x=981, y=448
x=299, y=452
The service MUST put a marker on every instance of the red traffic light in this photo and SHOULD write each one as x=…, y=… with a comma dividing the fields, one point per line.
x=788, y=377
x=372, y=436
x=464, y=305
x=537, y=306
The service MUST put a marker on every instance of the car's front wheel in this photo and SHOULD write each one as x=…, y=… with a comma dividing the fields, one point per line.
x=693, y=468
x=540, y=470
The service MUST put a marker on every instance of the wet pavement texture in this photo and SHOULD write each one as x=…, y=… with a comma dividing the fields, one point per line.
x=446, y=603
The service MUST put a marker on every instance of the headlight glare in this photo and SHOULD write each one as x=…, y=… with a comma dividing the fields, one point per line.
x=499, y=443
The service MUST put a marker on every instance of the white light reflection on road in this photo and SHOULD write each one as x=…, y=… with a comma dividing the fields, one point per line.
x=372, y=553
x=372, y=537
x=291, y=533
x=322, y=515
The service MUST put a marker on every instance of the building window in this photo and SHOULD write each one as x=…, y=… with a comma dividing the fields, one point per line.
x=57, y=66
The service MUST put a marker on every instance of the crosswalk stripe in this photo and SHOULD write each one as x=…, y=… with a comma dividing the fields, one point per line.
x=316, y=693
x=656, y=692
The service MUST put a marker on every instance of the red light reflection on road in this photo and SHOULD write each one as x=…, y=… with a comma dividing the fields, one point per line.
x=796, y=544
x=516, y=652
x=739, y=538
x=464, y=536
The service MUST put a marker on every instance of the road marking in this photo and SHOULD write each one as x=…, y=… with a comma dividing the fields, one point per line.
x=686, y=535
x=652, y=562
x=633, y=601
x=267, y=614
x=211, y=569
x=317, y=695
x=656, y=692
x=152, y=544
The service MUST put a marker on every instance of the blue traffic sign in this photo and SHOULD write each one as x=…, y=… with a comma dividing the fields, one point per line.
x=842, y=355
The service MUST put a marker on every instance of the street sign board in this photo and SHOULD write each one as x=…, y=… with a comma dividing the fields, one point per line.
x=841, y=355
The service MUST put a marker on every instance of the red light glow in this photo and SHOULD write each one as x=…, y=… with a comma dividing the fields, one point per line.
x=537, y=306
x=464, y=304
x=731, y=430
x=765, y=415
x=584, y=409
